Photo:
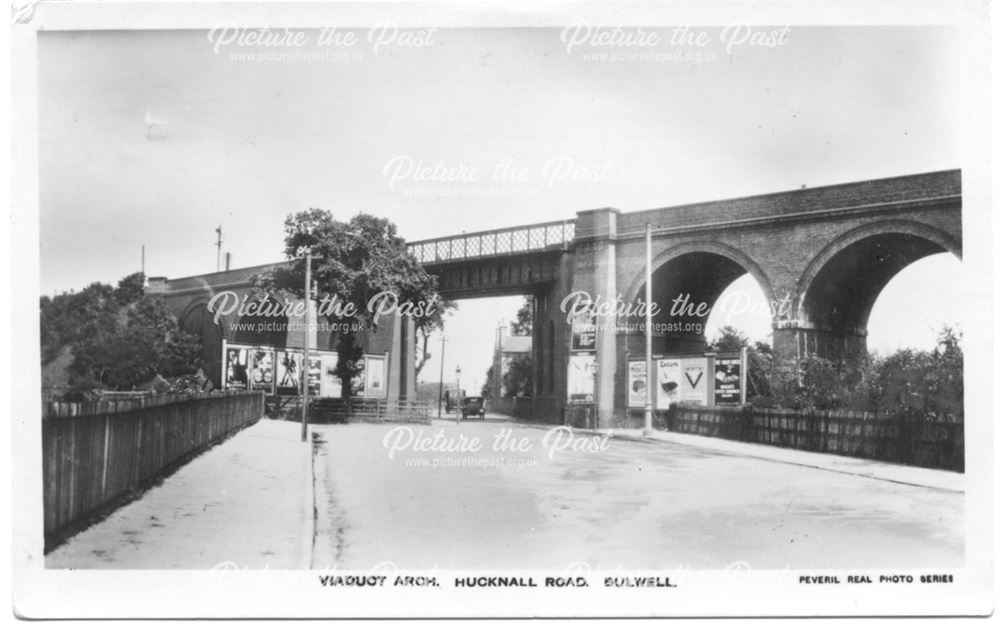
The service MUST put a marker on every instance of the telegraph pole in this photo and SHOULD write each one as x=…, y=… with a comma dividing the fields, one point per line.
x=218, y=248
x=647, y=426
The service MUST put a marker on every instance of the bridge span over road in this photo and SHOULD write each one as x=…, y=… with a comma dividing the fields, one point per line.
x=820, y=255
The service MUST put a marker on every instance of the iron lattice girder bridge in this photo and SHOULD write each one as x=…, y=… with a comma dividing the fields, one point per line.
x=551, y=235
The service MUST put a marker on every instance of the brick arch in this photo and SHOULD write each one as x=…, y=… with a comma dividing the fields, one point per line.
x=839, y=286
x=198, y=320
x=709, y=247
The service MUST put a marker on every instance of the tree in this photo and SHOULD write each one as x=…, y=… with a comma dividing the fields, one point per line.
x=140, y=342
x=487, y=390
x=426, y=326
x=517, y=378
x=729, y=339
x=523, y=323
x=69, y=317
x=130, y=288
x=354, y=261
x=916, y=381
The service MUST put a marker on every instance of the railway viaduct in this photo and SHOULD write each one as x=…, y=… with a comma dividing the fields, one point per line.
x=820, y=255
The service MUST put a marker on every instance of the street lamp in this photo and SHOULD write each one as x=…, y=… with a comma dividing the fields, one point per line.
x=441, y=377
x=458, y=391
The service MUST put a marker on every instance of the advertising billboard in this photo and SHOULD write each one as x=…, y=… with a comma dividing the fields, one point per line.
x=580, y=378
x=694, y=381
x=728, y=379
x=374, y=383
x=584, y=337
x=668, y=382
x=289, y=372
x=329, y=385
x=236, y=365
x=636, y=384
x=262, y=370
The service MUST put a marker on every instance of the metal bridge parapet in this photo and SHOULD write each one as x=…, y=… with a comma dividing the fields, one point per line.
x=489, y=243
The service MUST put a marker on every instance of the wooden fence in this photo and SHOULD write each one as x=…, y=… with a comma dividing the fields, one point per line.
x=336, y=410
x=93, y=463
x=112, y=403
x=907, y=438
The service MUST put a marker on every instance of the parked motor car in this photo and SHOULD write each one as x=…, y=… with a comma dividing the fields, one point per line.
x=473, y=406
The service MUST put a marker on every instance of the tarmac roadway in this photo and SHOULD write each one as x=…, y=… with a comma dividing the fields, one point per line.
x=497, y=494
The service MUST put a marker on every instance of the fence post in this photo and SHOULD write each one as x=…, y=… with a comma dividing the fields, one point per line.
x=104, y=462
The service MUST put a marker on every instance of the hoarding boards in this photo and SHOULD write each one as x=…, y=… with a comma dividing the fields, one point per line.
x=262, y=371
x=668, y=382
x=580, y=378
x=235, y=367
x=584, y=337
x=315, y=375
x=289, y=372
x=679, y=379
x=636, y=384
x=374, y=384
x=728, y=378
x=280, y=372
x=329, y=385
x=694, y=381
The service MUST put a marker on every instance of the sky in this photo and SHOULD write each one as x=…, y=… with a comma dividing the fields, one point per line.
x=155, y=138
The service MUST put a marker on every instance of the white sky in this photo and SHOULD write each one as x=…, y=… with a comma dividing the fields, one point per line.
x=242, y=144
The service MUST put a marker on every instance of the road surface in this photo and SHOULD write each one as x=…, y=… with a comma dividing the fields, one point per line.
x=439, y=502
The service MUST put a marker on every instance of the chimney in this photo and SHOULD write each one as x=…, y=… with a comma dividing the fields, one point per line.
x=156, y=286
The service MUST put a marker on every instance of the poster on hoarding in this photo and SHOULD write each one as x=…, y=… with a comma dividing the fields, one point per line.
x=375, y=376
x=315, y=374
x=329, y=385
x=262, y=371
x=727, y=381
x=289, y=372
x=235, y=367
x=636, y=384
x=580, y=378
x=668, y=382
x=694, y=381
x=584, y=333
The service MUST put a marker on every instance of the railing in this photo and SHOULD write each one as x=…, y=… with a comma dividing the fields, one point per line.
x=97, y=462
x=914, y=439
x=552, y=234
x=335, y=410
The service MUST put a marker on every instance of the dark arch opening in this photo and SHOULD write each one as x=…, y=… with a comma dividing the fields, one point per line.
x=200, y=322
x=685, y=289
x=838, y=301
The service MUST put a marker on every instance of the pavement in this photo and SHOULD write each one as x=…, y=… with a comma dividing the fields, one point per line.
x=245, y=503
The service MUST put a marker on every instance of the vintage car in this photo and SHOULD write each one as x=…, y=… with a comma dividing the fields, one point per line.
x=473, y=406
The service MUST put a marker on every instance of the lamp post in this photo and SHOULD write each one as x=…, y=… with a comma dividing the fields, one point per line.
x=458, y=389
x=441, y=377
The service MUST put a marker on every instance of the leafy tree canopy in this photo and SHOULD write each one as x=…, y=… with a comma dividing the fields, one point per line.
x=354, y=261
